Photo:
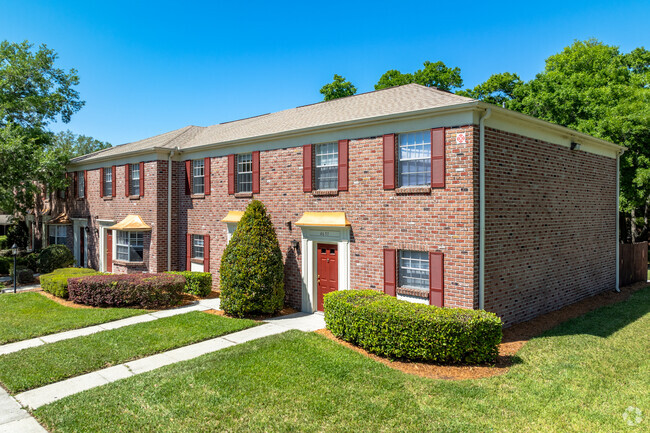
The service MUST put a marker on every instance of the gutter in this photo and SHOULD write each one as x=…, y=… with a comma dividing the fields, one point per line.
x=169, y=207
x=618, y=199
x=481, y=224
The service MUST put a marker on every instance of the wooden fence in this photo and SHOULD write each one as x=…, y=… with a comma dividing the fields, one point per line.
x=633, y=266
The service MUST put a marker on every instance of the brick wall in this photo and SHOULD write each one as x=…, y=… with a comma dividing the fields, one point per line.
x=551, y=228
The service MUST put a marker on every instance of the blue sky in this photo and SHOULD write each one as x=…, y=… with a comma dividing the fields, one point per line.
x=147, y=68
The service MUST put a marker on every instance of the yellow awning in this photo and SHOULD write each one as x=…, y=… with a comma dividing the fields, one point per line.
x=62, y=219
x=323, y=219
x=233, y=216
x=132, y=223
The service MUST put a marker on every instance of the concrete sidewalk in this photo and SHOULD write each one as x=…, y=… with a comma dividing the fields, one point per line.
x=50, y=393
x=202, y=305
x=15, y=419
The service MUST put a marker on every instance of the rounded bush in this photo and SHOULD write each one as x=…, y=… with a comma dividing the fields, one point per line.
x=56, y=282
x=53, y=257
x=252, y=271
x=4, y=243
x=393, y=328
x=141, y=290
x=197, y=283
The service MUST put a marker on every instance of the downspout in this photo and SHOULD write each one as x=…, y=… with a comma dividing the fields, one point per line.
x=169, y=208
x=481, y=223
x=618, y=191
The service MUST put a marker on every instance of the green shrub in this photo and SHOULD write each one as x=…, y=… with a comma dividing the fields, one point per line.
x=29, y=261
x=386, y=326
x=5, y=264
x=18, y=234
x=56, y=282
x=54, y=257
x=196, y=283
x=4, y=243
x=252, y=272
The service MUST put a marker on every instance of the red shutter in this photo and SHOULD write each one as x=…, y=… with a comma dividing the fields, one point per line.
x=256, y=172
x=390, y=274
x=85, y=183
x=343, y=165
x=206, y=175
x=389, y=161
x=436, y=279
x=438, y=158
x=188, y=177
x=306, y=168
x=114, y=180
x=206, y=253
x=101, y=182
x=231, y=174
x=142, y=179
x=188, y=261
x=75, y=184
x=126, y=180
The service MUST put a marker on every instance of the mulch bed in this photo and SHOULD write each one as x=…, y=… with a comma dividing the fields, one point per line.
x=186, y=299
x=283, y=312
x=514, y=339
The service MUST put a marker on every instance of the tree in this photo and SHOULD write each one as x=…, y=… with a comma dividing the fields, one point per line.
x=33, y=93
x=252, y=272
x=77, y=145
x=432, y=75
x=339, y=88
x=498, y=89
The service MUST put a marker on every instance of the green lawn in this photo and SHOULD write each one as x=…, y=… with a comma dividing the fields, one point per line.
x=38, y=366
x=27, y=315
x=579, y=377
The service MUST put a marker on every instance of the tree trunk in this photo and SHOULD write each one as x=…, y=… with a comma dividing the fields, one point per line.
x=38, y=233
x=633, y=225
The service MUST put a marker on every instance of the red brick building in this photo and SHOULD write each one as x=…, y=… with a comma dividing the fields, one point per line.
x=393, y=190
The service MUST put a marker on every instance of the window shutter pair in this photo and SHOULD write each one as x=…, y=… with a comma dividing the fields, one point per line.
x=308, y=166
x=436, y=276
x=437, y=159
x=232, y=172
x=101, y=182
x=206, y=253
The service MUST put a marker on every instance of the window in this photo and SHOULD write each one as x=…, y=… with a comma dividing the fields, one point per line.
x=415, y=158
x=130, y=246
x=134, y=179
x=108, y=182
x=245, y=172
x=81, y=184
x=197, y=246
x=58, y=235
x=414, y=269
x=327, y=166
x=198, y=177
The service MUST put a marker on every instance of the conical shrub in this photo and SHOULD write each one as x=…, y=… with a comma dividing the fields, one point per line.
x=252, y=272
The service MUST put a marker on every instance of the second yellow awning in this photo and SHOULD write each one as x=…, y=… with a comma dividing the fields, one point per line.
x=233, y=216
x=132, y=223
x=323, y=219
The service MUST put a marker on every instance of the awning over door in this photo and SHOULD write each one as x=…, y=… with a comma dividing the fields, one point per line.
x=132, y=223
x=233, y=216
x=323, y=219
x=61, y=219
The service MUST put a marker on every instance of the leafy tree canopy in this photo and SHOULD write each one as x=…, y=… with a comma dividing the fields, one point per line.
x=77, y=145
x=339, y=88
x=498, y=89
x=432, y=75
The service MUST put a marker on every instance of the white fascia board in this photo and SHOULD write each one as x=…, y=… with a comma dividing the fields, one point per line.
x=153, y=154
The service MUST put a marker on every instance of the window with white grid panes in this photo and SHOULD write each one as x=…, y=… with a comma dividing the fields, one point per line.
x=414, y=269
x=198, y=176
x=245, y=172
x=326, y=171
x=414, y=156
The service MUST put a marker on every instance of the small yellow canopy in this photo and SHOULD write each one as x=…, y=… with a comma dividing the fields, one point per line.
x=132, y=223
x=62, y=219
x=323, y=219
x=233, y=216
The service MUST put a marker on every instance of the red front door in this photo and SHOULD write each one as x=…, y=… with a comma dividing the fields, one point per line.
x=328, y=271
x=109, y=250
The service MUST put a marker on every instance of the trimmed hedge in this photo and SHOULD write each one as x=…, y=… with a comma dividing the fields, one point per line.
x=393, y=328
x=56, y=282
x=54, y=257
x=196, y=283
x=150, y=291
x=4, y=243
x=5, y=264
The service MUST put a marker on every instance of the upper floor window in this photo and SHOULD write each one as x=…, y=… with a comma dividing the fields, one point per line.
x=134, y=179
x=414, y=269
x=244, y=172
x=130, y=246
x=108, y=182
x=415, y=158
x=58, y=235
x=198, y=176
x=326, y=166
x=197, y=246
x=81, y=184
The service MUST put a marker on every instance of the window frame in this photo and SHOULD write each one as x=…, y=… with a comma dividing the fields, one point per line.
x=244, y=177
x=134, y=244
x=198, y=244
x=134, y=182
x=402, y=162
x=198, y=164
x=57, y=237
x=322, y=167
x=402, y=273
x=108, y=184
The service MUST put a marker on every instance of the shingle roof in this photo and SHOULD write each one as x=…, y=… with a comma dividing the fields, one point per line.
x=395, y=100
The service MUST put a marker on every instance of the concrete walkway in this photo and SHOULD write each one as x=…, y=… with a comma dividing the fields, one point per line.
x=50, y=393
x=24, y=288
x=202, y=305
x=15, y=419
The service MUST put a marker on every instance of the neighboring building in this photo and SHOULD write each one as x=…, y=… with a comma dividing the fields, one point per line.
x=382, y=191
x=5, y=222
